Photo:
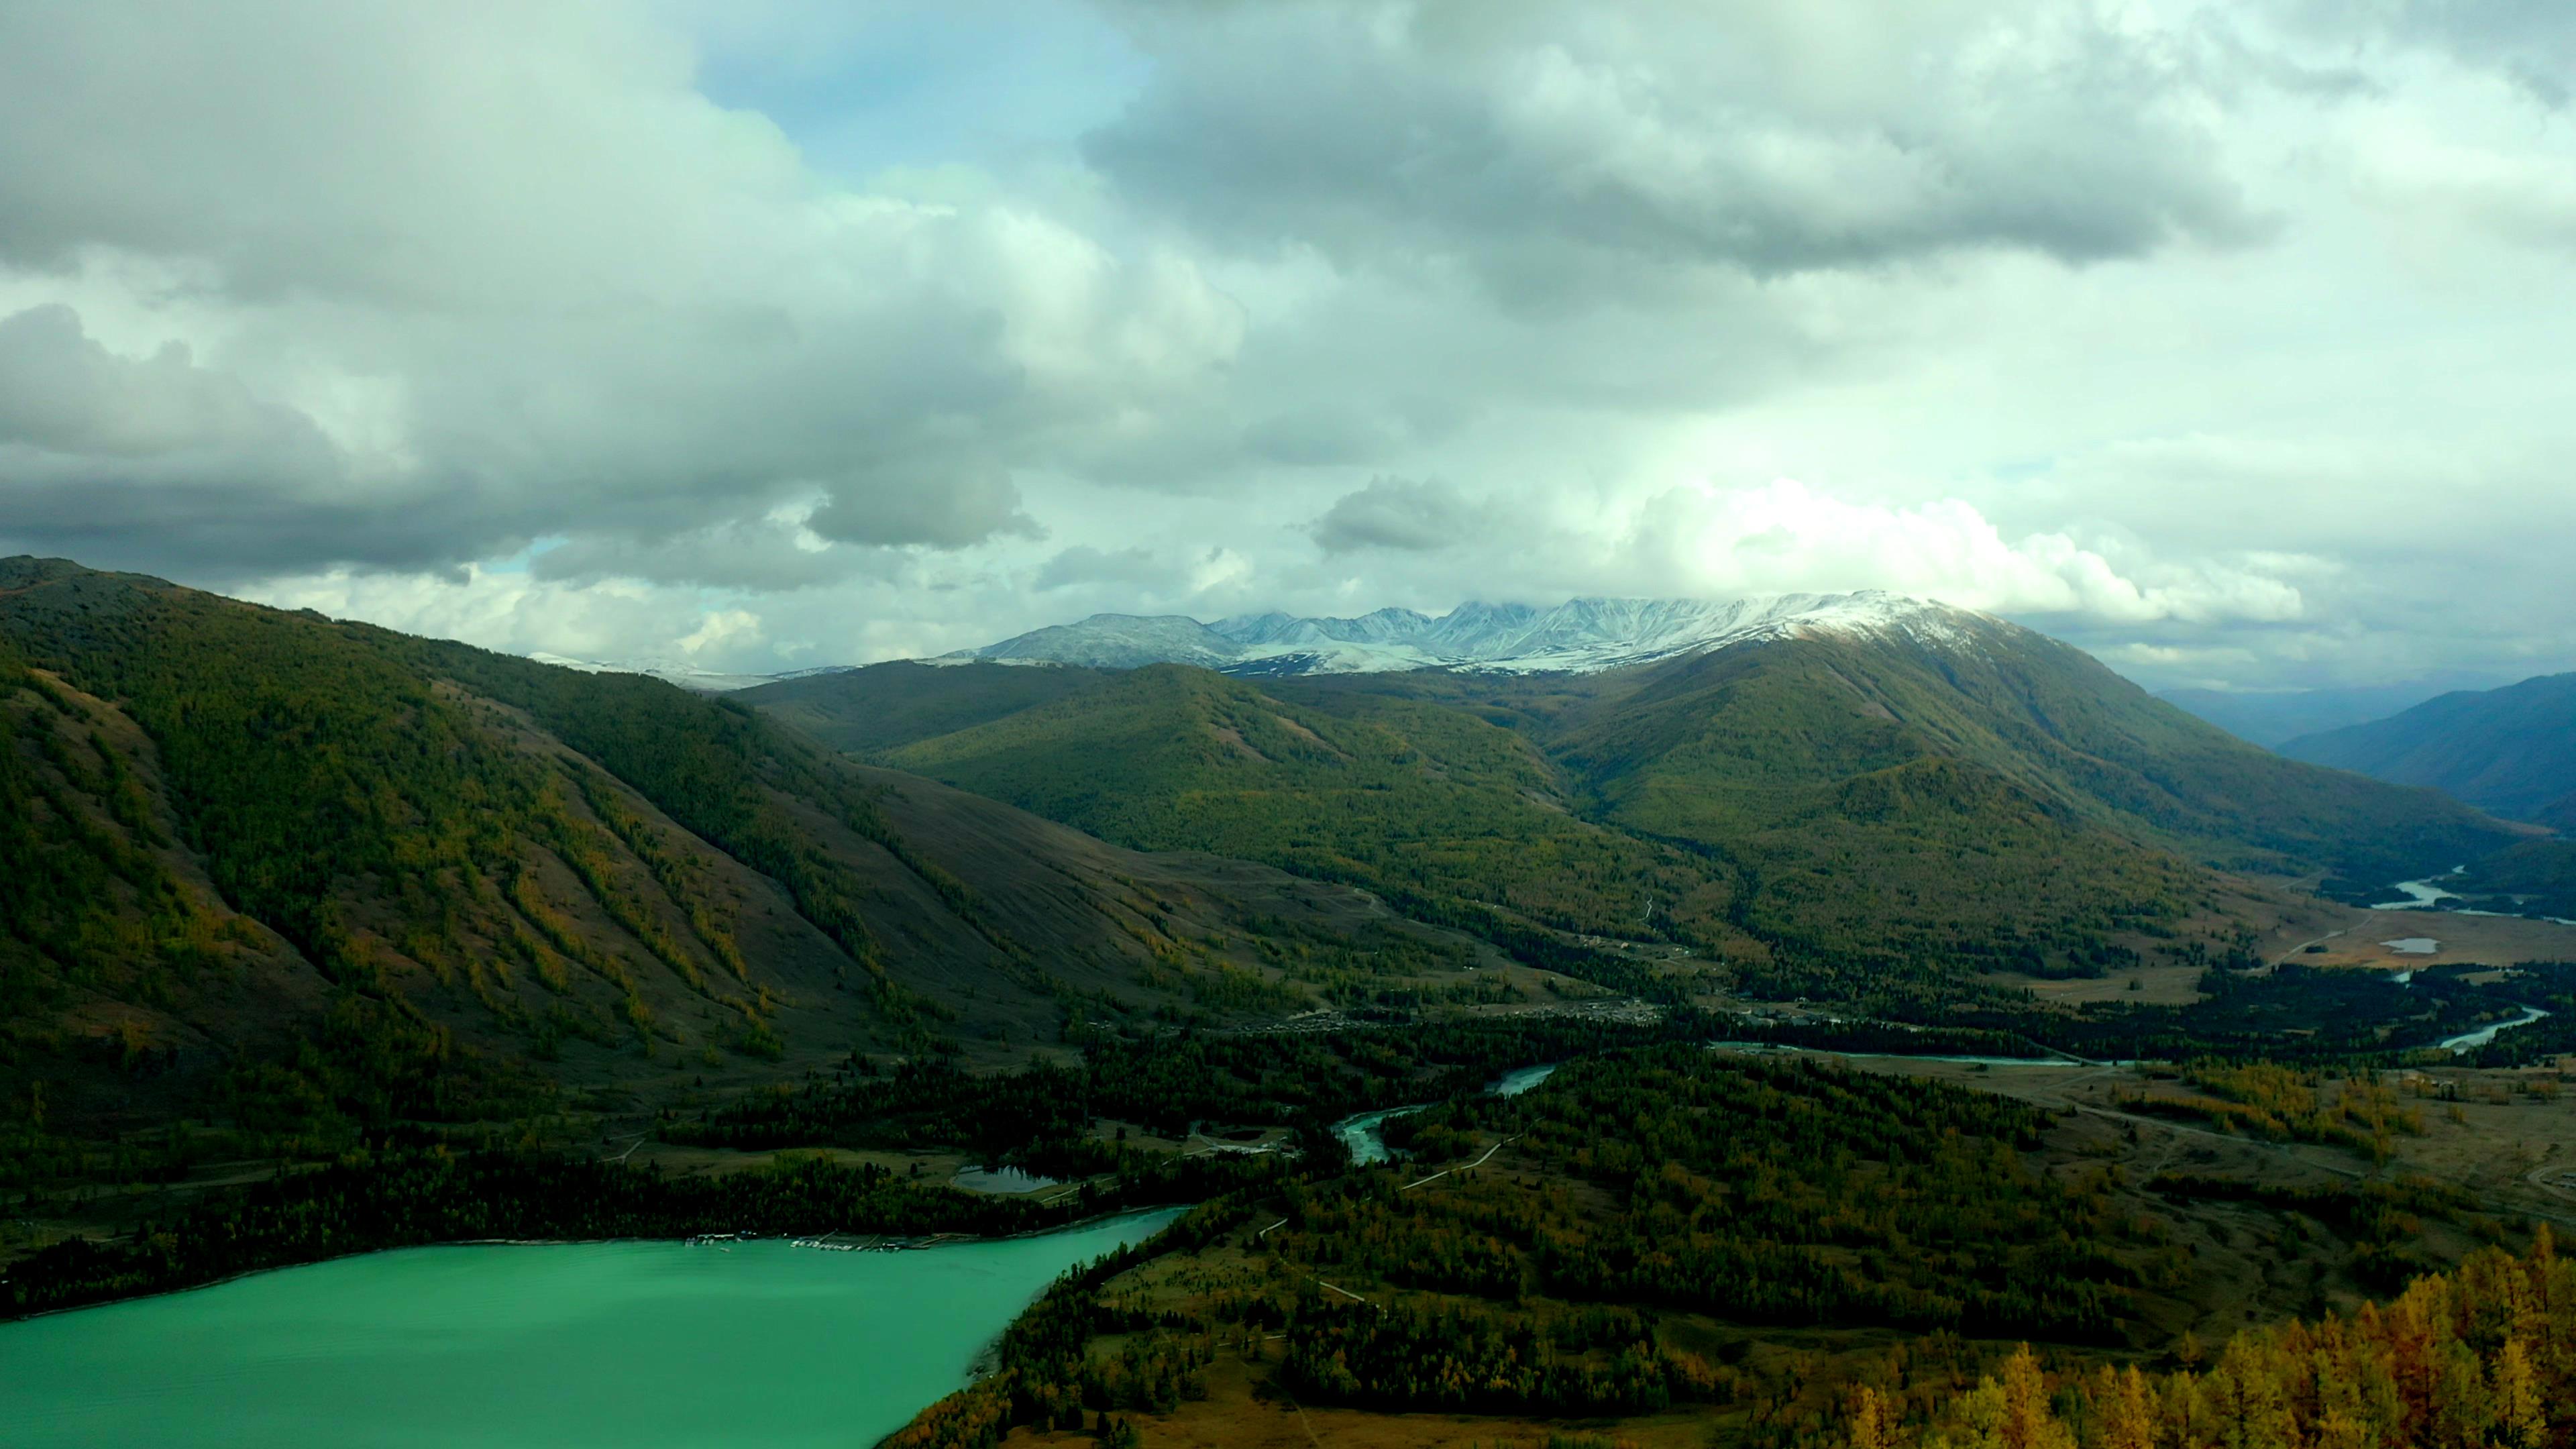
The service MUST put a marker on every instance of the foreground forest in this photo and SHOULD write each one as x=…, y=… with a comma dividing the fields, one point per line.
x=1665, y=1245
x=2484, y=1355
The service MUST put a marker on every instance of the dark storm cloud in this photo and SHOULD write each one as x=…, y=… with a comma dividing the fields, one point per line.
x=2531, y=42
x=61, y=392
x=947, y=511
x=1397, y=513
x=1084, y=564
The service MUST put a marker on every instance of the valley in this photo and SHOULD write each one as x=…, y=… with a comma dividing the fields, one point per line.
x=2044, y=1018
x=2217, y=1231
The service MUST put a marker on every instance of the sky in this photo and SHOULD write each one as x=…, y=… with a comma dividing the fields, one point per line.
x=2235, y=342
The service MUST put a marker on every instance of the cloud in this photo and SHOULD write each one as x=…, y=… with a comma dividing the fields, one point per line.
x=1324, y=435
x=2532, y=43
x=1552, y=147
x=2228, y=340
x=723, y=629
x=935, y=512
x=583, y=298
x=62, y=392
x=1396, y=513
x=1088, y=565
x=771, y=554
x=1786, y=536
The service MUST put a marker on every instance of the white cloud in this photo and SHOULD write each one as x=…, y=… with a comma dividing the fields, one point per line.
x=1786, y=537
x=724, y=629
x=515, y=253
x=2228, y=340
x=1552, y=149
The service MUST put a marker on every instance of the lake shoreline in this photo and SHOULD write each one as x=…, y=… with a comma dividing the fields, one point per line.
x=950, y=1240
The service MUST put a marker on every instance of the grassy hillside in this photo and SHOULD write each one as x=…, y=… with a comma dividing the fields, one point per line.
x=2559, y=815
x=1888, y=797
x=1866, y=807
x=1457, y=819
x=2029, y=710
x=2510, y=750
x=882, y=706
x=2537, y=876
x=296, y=879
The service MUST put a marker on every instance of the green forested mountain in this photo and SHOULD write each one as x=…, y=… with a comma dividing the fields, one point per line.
x=1833, y=806
x=884, y=706
x=1743, y=738
x=2510, y=750
x=305, y=876
x=1455, y=818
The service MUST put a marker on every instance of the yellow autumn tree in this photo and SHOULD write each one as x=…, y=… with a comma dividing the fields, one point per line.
x=2483, y=1357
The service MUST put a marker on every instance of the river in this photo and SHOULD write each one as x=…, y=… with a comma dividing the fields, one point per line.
x=2422, y=895
x=637, y=1345
x=2472, y=1040
x=1360, y=1133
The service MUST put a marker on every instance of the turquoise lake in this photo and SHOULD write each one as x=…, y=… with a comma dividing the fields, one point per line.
x=593, y=1344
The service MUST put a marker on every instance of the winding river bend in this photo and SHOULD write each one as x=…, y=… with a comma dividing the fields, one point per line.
x=638, y=1345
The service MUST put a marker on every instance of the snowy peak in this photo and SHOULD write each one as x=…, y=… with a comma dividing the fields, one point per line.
x=1579, y=635
x=1116, y=641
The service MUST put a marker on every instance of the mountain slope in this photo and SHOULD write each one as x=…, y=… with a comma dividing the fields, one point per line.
x=309, y=876
x=1458, y=818
x=2270, y=717
x=881, y=706
x=2510, y=750
x=1911, y=794
x=1729, y=730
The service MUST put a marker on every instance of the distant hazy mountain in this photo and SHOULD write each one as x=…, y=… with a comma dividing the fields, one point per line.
x=683, y=673
x=2269, y=717
x=2509, y=750
x=1578, y=636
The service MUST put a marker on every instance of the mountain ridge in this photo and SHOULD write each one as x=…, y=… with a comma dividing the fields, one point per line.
x=2511, y=750
x=1581, y=635
x=2272, y=717
x=1848, y=803
x=316, y=876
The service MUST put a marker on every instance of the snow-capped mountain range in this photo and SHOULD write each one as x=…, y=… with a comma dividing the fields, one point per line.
x=1580, y=635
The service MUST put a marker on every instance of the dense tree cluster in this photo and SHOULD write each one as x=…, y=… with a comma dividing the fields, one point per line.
x=397, y=1195
x=1763, y=1192
x=1046, y=1373
x=2315, y=1016
x=2285, y=1104
x=2481, y=1356
x=1172, y=1083
x=1453, y=819
x=1469, y=1358
x=2551, y=986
